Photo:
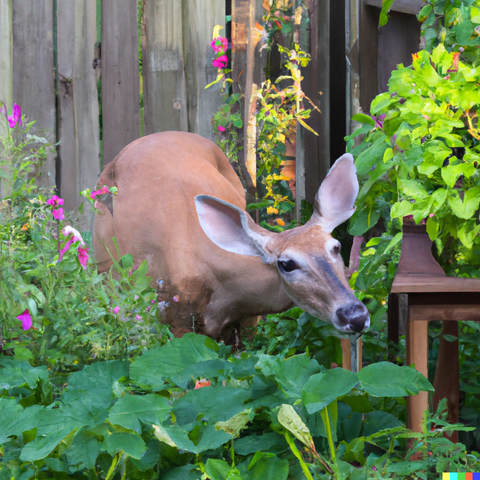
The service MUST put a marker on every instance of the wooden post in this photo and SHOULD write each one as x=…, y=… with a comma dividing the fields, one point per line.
x=33, y=88
x=78, y=127
x=447, y=381
x=120, y=76
x=417, y=353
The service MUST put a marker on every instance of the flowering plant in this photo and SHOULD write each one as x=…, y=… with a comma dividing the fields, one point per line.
x=55, y=309
x=220, y=45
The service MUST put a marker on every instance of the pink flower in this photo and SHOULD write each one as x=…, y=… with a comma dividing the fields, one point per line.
x=77, y=237
x=58, y=214
x=176, y=298
x=55, y=200
x=116, y=309
x=16, y=117
x=83, y=256
x=431, y=215
x=220, y=62
x=219, y=44
x=26, y=320
x=202, y=383
x=105, y=189
x=220, y=128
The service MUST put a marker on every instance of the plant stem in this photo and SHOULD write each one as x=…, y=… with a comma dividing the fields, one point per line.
x=326, y=421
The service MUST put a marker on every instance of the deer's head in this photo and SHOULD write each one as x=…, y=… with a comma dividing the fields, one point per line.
x=307, y=258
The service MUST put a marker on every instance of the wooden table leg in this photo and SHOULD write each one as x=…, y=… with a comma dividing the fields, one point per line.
x=447, y=382
x=417, y=353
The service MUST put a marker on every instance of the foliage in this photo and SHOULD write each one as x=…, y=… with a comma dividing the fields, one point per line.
x=77, y=316
x=262, y=417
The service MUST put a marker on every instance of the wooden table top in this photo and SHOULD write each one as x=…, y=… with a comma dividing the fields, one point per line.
x=408, y=283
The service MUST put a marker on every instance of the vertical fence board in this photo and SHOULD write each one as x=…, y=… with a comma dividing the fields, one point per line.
x=317, y=79
x=200, y=16
x=6, y=53
x=33, y=86
x=120, y=77
x=165, y=94
x=78, y=116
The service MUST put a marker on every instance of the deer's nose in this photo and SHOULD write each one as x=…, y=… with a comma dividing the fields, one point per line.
x=354, y=316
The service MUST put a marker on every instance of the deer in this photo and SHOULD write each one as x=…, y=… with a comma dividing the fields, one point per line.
x=181, y=207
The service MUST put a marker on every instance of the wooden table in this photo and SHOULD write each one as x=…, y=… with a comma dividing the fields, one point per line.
x=431, y=296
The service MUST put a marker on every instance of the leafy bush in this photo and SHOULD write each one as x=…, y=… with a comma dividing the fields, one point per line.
x=261, y=416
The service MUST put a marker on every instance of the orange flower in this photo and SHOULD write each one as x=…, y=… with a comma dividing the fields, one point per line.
x=25, y=227
x=202, y=383
x=280, y=222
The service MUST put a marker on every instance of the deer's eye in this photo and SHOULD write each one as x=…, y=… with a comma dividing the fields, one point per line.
x=336, y=249
x=287, y=266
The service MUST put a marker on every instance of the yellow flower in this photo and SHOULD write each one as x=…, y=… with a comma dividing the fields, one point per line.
x=272, y=210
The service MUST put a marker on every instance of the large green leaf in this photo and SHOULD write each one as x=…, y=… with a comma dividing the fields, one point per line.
x=42, y=446
x=266, y=466
x=15, y=374
x=96, y=382
x=157, y=365
x=325, y=387
x=130, y=443
x=11, y=411
x=206, y=401
x=254, y=443
x=464, y=209
x=186, y=472
x=217, y=469
x=84, y=450
x=289, y=419
x=131, y=410
x=290, y=374
x=376, y=421
x=385, y=379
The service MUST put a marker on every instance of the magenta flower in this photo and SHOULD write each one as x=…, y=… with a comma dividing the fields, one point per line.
x=55, y=200
x=116, y=309
x=16, y=117
x=220, y=128
x=379, y=120
x=83, y=256
x=58, y=214
x=220, y=62
x=26, y=320
x=105, y=189
x=219, y=44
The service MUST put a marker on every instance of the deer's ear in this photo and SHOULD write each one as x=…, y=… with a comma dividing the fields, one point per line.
x=335, y=199
x=231, y=229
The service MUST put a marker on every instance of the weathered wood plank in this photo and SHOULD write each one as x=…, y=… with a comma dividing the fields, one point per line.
x=77, y=99
x=163, y=65
x=6, y=53
x=120, y=77
x=33, y=88
x=199, y=19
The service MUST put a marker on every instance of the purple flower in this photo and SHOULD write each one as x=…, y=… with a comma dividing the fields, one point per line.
x=116, y=309
x=379, y=120
x=16, y=117
x=26, y=320
x=220, y=128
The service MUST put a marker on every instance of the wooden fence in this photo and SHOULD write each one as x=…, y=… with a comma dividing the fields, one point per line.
x=52, y=57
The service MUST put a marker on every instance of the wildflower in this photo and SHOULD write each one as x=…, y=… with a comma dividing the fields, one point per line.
x=58, y=214
x=220, y=128
x=202, y=383
x=220, y=62
x=219, y=44
x=105, y=189
x=280, y=222
x=138, y=318
x=83, y=256
x=271, y=210
x=116, y=309
x=16, y=117
x=25, y=227
x=76, y=237
x=26, y=320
